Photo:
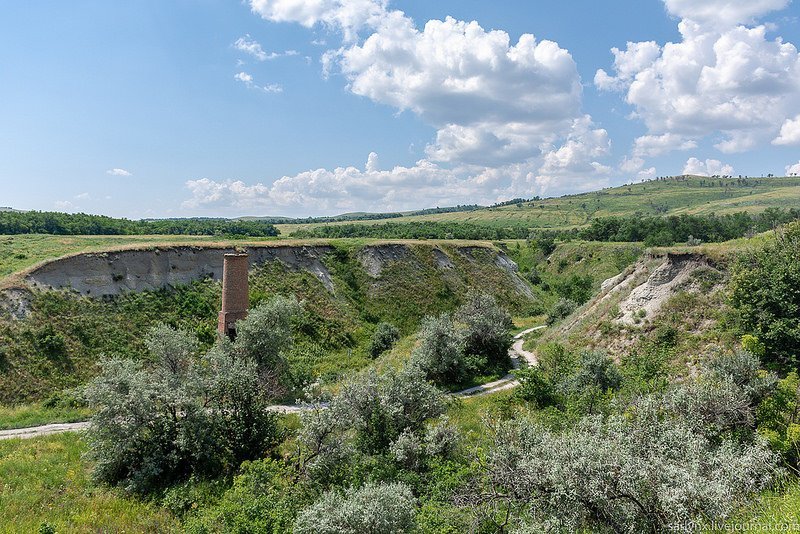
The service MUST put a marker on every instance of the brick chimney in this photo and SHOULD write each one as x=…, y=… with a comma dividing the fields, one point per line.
x=235, y=296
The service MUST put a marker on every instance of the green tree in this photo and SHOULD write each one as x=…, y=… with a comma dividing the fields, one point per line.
x=265, y=335
x=440, y=353
x=487, y=332
x=383, y=339
x=765, y=293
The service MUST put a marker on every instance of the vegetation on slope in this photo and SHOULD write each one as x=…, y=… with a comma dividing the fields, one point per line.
x=652, y=230
x=588, y=442
x=693, y=195
x=59, y=344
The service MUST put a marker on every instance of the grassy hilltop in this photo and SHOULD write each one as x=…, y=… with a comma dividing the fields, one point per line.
x=693, y=195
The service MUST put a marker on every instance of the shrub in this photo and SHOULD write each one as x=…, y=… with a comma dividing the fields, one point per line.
x=555, y=361
x=576, y=288
x=440, y=353
x=265, y=335
x=724, y=400
x=562, y=308
x=185, y=416
x=371, y=509
x=383, y=339
x=764, y=294
x=596, y=375
x=777, y=418
x=638, y=473
x=533, y=276
x=535, y=387
x=263, y=498
x=368, y=415
x=487, y=329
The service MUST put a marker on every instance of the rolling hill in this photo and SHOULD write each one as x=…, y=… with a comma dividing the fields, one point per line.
x=668, y=196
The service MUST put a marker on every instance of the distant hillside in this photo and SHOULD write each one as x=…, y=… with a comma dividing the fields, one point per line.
x=50, y=340
x=668, y=196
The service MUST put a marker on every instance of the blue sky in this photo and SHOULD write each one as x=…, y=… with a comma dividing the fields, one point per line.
x=315, y=107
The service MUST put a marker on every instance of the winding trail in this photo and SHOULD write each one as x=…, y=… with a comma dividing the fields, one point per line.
x=517, y=353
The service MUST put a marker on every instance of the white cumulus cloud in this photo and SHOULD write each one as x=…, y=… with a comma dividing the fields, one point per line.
x=507, y=115
x=243, y=77
x=491, y=100
x=575, y=163
x=709, y=167
x=793, y=169
x=348, y=16
x=724, y=79
x=656, y=145
x=118, y=172
x=790, y=133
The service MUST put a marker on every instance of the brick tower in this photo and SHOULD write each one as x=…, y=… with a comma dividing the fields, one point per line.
x=235, y=296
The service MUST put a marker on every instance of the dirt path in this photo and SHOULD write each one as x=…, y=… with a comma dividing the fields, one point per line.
x=44, y=430
x=518, y=354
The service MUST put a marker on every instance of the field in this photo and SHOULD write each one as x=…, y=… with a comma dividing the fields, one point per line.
x=46, y=483
x=693, y=196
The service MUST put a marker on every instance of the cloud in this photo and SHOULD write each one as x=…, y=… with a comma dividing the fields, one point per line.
x=83, y=196
x=250, y=46
x=247, y=80
x=340, y=189
x=491, y=100
x=721, y=80
x=324, y=191
x=709, y=167
x=793, y=169
x=118, y=172
x=631, y=164
x=372, y=162
x=723, y=12
x=790, y=133
x=656, y=145
x=646, y=174
x=347, y=16
x=507, y=115
x=627, y=63
x=575, y=161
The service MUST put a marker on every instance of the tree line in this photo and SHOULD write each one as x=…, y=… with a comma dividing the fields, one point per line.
x=47, y=222
x=664, y=231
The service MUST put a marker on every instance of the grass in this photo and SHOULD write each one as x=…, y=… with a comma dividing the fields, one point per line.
x=44, y=481
x=694, y=196
x=523, y=323
x=26, y=415
x=773, y=511
x=469, y=414
x=58, y=345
